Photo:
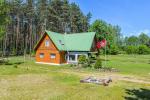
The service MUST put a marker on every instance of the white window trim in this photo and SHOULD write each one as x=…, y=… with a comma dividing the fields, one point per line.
x=72, y=60
x=41, y=55
x=52, y=55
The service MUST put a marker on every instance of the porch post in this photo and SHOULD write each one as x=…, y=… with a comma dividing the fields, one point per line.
x=67, y=57
x=76, y=57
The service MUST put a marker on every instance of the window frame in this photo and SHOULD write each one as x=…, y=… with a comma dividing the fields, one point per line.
x=47, y=43
x=52, y=54
x=74, y=57
x=41, y=55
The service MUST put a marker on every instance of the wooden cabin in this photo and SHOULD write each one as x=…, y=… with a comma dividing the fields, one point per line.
x=56, y=48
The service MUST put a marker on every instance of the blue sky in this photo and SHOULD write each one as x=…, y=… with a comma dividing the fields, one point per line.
x=133, y=16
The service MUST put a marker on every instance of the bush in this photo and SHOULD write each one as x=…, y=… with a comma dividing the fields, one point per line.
x=114, y=50
x=82, y=59
x=143, y=49
x=98, y=64
x=131, y=49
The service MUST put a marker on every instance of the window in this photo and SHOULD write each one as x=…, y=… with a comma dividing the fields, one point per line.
x=52, y=56
x=72, y=58
x=47, y=43
x=41, y=55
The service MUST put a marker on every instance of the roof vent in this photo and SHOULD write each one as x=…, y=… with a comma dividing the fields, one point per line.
x=60, y=42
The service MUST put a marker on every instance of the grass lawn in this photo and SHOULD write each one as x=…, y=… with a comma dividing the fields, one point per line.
x=130, y=64
x=30, y=81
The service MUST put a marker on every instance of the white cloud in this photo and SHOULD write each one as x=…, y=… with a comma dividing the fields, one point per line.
x=137, y=33
x=146, y=31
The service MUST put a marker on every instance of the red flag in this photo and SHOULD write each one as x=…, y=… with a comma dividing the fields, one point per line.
x=98, y=45
x=101, y=44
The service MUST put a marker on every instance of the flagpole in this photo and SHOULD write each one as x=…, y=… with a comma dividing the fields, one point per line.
x=105, y=49
x=105, y=54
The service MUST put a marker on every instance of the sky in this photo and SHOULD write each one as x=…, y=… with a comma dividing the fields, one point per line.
x=133, y=16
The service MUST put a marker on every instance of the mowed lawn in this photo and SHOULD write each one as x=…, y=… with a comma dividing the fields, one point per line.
x=130, y=64
x=30, y=81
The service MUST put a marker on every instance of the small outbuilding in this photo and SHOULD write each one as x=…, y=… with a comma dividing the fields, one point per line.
x=57, y=48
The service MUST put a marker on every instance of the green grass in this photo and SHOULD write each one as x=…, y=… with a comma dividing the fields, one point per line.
x=30, y=81
x=130, y=64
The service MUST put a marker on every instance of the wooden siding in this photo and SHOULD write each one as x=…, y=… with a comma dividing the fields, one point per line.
x=93, y=47
x=51, y=49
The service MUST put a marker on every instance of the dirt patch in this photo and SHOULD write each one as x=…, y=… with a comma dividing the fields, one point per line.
x=129, y=79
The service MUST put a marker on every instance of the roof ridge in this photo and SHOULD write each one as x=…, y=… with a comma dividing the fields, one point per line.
x=69, y=33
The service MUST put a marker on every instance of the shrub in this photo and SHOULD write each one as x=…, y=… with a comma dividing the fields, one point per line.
x=131, y=49
x=82, y=59
x=122, y=52
x=143, y=49
x=98, y=64
x=114, y=50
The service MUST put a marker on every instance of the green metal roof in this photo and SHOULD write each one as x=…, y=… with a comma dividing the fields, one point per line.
x=72, y=42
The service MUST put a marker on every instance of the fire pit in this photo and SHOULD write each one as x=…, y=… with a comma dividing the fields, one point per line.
x=94, y=80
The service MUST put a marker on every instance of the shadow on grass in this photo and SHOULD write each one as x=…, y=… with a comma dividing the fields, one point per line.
x=104, y=59
x=7, y=62
x=138, y=94
x=15, y=63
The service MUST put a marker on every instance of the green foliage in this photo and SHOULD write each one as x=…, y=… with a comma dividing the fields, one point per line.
x=98, y=64
x=100, y=27
x=106, y=31
x=133, y=40
x=131, y=49
x=68, y=16
x=28, y=17
x=114, y=50
x=33, y=53
x=82, y=59
x=4, y=18
x=143, y=39
x=143, y=49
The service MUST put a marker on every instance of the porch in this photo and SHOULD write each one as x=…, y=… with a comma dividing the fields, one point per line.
x=72, y=57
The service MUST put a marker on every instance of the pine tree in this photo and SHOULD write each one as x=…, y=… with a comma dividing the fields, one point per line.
x=30, y=18
x=42, y=15
x=4, y=20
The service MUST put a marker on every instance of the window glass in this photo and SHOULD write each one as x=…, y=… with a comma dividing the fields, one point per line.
x=47, y=43
x=72, y=57
x=41, y=55
x=52, y=55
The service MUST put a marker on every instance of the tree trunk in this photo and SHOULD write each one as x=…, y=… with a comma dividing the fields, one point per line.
x=17, y=32
x=30, y=35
